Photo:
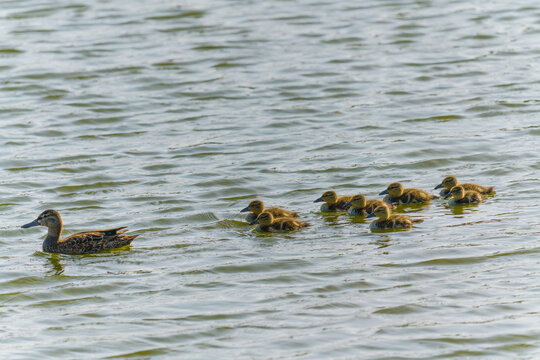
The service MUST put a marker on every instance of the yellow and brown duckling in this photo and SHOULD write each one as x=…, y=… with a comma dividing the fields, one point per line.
x=333, y=202
x=463, y=197
x=268, y=223
x=359, y=206
x=450, y=181
x=257, y=207
x=87, y=242
x=387, y=220
x=396, y=194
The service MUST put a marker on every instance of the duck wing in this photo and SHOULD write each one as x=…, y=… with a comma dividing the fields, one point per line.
x=93, y=241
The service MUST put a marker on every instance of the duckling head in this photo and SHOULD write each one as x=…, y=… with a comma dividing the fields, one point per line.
x=256, y=207
x=458, y=192
x=358, y=201
x=382, y=212
x=394, y=189
x=48, y=218
x=264, y=219
x=330, y=197
x=448, y=183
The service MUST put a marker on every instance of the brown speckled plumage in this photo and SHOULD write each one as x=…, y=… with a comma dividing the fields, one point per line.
x=268, y=223
x=87, y=242
x=256, y=207
x=398, y=195
x=463, y=197
x=387, y=220
x=359, y=206
x=333, y=202
x=450, y=181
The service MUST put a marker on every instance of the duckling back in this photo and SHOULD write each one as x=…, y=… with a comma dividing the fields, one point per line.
x=279, y=212
x=470, y=197
x=276, y=212
x=283, y=224
x=371, y=205
x=414, y=196
x=394, y=221
x=479, y=188
x=340, y=204
x=368, y=209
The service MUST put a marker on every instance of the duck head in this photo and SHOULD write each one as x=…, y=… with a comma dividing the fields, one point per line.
x=358, y=201
x=49, y=218
x=458, y=192
x=382, y=212
x=264, y=219
x=330, y=197
x=448, y=183
x=256, y=207
x=394, y=189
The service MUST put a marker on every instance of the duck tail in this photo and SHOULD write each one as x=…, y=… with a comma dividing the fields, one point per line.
x=127, y=239
x=115, y=231
x=417, y=220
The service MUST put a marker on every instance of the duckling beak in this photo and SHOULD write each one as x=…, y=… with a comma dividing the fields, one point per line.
x=384, y=192
x=318, y=200
x=30, y=224
x=256, y=221
x=448, y=195
x=438, y=186
x=348, y=204
x=245, y=209
x=371, y=215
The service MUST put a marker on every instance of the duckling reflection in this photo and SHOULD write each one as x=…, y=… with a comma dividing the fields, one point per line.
x=463, y=197
x=87, y=242
x=257, y=207
x=387, y=220
x=450, y=181
x=268, y=223
x=332, y=202
x=359, y=206
x=396, y=194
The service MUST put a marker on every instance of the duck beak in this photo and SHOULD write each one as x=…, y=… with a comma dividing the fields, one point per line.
x=448, y=195
x=438, y=186
x=256, y=221
x=246, y=209
x=348, y=204
x=318, y=200
x=30, y=224
x=384, y=192
x=371, y=215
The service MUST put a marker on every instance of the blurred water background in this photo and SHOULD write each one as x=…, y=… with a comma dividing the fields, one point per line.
x=170, y=116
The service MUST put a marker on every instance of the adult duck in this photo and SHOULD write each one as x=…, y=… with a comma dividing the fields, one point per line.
x=86, y=242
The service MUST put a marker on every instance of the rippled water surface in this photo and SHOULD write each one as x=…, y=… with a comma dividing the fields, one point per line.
x=169, y=117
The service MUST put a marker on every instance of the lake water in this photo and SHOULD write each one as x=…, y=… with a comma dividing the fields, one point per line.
x=169, y=117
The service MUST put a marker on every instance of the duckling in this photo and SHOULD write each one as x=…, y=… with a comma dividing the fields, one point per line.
x=257, y=207
x=358, y=205
x=397, y=194
x=450, y=181
x=87, y=242
x=462, y=196
x=332, y=202
x=268, y=223
x=387, y=220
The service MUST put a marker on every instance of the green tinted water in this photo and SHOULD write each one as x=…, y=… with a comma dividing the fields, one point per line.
x=169, y=118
